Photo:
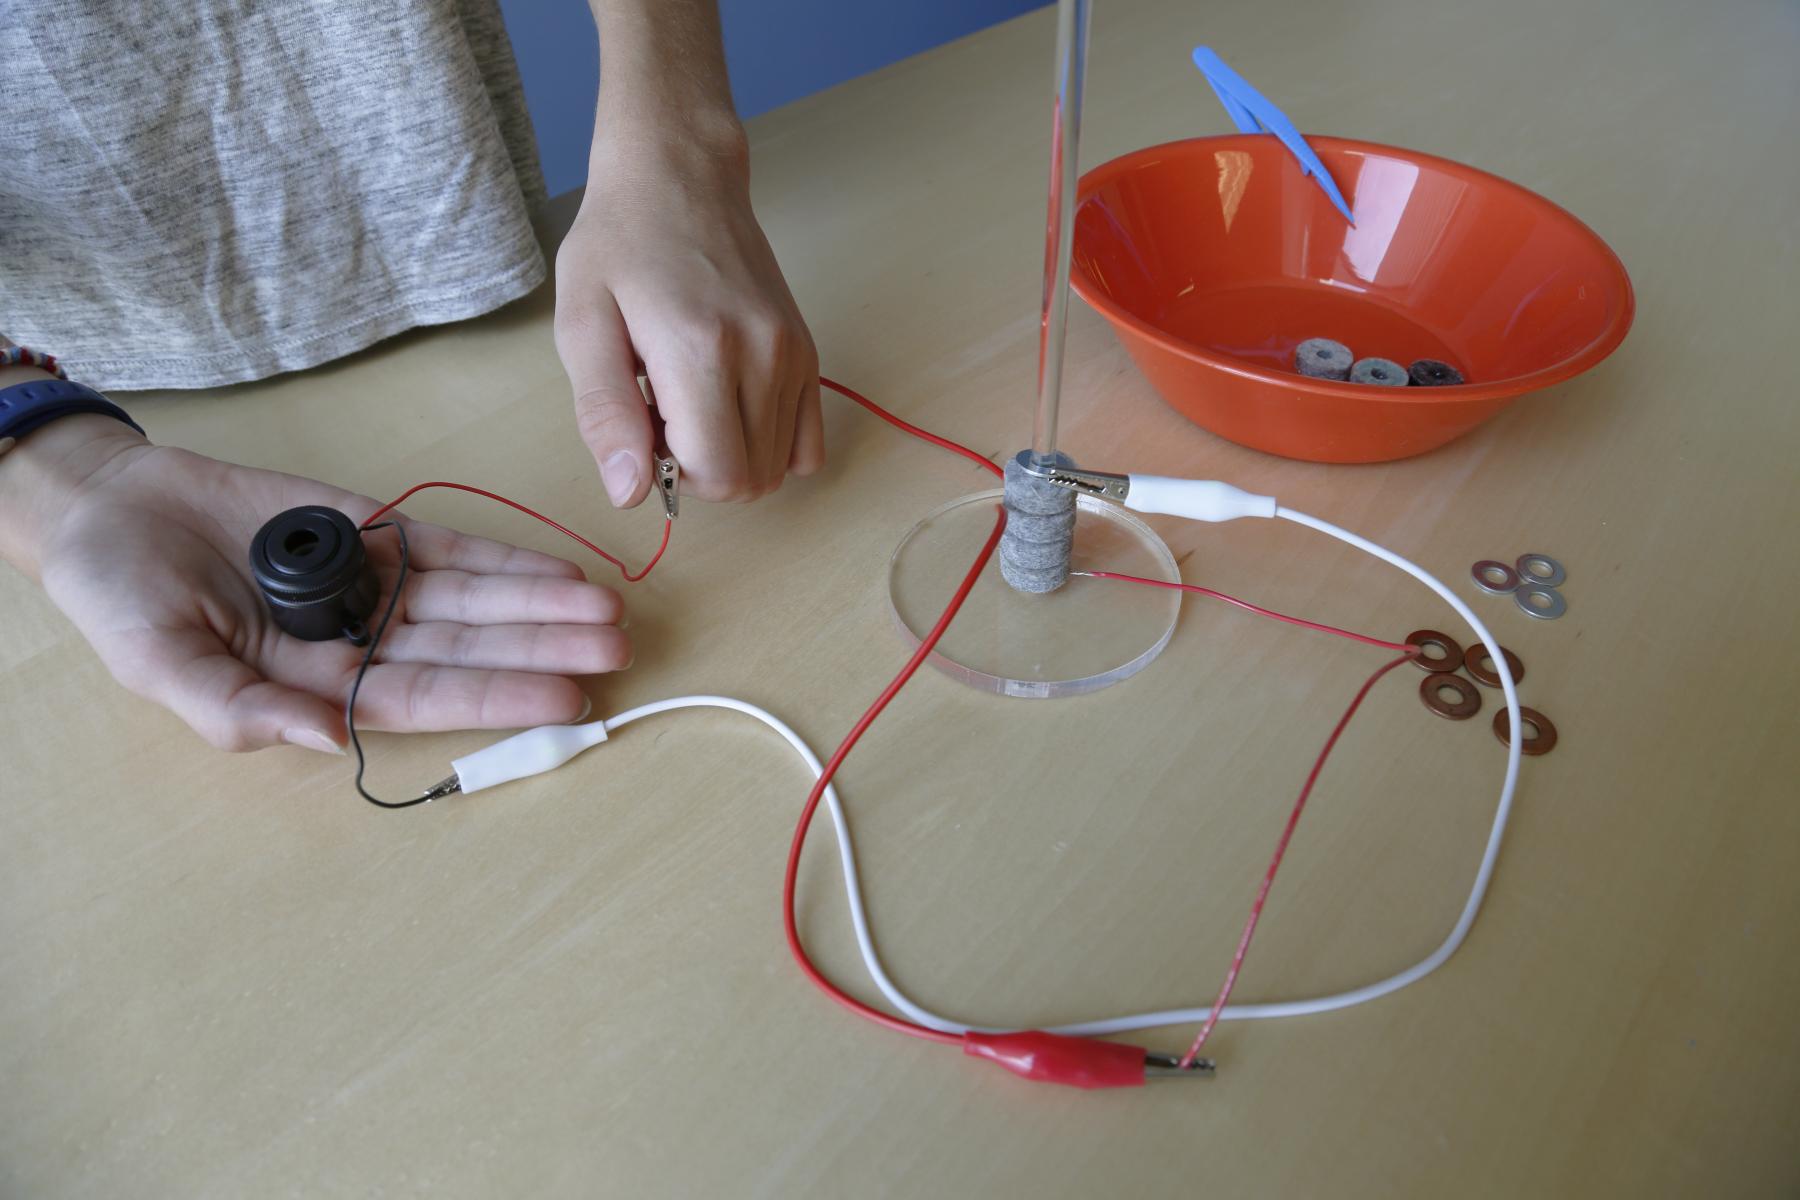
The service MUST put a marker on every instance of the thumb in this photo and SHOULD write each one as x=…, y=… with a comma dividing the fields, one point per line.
x=226, y=702
x=610, y=412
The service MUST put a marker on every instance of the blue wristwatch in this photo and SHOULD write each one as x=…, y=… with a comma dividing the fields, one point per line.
x=25, y=406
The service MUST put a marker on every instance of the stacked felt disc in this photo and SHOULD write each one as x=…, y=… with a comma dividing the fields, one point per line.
x=1322, y=358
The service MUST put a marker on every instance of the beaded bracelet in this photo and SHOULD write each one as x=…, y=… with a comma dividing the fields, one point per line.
x=13, y=356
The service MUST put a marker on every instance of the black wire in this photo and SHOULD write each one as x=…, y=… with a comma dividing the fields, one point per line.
x=362, y=763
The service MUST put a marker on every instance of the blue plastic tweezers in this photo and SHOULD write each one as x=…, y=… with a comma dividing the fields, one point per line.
x=1253, y=113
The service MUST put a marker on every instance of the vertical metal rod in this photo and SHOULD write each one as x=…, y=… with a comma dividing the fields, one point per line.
x=1072, y=20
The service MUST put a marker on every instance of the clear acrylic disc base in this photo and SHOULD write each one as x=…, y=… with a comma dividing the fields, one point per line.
x=1086, y=635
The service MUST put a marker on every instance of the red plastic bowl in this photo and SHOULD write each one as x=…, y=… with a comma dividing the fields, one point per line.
x=1213, y=258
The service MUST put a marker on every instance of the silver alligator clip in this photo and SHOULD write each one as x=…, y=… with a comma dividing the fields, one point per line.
x=668, y=471
x=1103, y=484
x=668, y=483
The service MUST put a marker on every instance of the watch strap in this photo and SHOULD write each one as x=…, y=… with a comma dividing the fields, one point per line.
x=26, y=406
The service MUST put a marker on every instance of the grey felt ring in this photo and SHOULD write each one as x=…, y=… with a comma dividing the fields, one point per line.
x=1379, y=372
x=1036, y=527
x=1026, y=493
x=1027, y=580
x=1322, y=358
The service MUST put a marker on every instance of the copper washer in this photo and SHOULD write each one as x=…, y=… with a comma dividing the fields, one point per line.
x=1453, y=653
x=1466, y=705
x=1480, y=664
x=1543, y=743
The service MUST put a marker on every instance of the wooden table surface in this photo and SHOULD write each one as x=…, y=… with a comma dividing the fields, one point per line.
x=227, y=976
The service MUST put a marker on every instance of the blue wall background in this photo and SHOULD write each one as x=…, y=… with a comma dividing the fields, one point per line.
x=777, y=50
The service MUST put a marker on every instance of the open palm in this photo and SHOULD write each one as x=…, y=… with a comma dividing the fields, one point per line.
x=152, y=566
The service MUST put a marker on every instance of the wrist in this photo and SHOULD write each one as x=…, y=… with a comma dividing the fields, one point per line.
x=663, y=76
x=47, y=473
x=645, y=141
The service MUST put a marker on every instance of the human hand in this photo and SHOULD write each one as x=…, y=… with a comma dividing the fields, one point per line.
x=667, y=266
x=145, y=548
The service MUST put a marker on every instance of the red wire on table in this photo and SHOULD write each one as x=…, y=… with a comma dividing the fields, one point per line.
x=1287, y=834
x=1249, y=607
x=668, y=525
x=926, y=645
x=530, y=512
x=789, y=922
x=897, y=423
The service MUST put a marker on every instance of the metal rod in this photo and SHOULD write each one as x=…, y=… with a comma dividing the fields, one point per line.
x=1072, y=21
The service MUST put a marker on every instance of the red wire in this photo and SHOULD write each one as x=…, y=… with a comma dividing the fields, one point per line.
x=1249, y=607
x=906, y=673
x=530, y=512
x=897, y=423
x=668, y=525
x=798, y=949
x=812, y=804
x=1287, y=833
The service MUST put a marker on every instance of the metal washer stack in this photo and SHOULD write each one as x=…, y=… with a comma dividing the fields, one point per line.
x=1534, y=581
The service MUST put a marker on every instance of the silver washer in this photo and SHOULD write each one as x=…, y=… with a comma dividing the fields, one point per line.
x=1555, y=607
x=1541, y=569
x=1487, y=567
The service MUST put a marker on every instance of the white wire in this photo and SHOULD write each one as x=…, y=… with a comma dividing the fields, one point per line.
x=1172, y=1016
x=846, y=852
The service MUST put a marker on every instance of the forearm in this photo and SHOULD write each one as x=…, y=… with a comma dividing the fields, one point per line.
x=44, y=476
x=43, y=473
x=667, y=272
x=663, y=84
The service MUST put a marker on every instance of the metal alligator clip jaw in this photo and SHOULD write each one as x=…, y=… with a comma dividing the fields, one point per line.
x=668, y=471
x=668, y=481
x=1168, y=1066
x=1104, y=484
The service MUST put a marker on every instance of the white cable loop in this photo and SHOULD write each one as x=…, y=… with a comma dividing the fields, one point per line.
x=1173, y=1016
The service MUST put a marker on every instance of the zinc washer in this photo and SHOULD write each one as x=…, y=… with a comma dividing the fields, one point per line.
x=1481, y=572
x=1541, y=569
x=1554, y=606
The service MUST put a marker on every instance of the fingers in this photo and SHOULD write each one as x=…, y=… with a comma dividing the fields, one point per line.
x=809, y=430
x=787, y=403
x=547, y=649
x=433, y=547
x=779, y=370
x=224, y=700
x=468, y=651
x=473, y=599
x=698, y=400
x=759, y=408
x=802, y=389
x=610, y=412
x=767, y=392
x=741, y=408
x=414, y=697
x=736, y=385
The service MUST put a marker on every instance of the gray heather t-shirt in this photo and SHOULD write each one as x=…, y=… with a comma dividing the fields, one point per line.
x=200, y=192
